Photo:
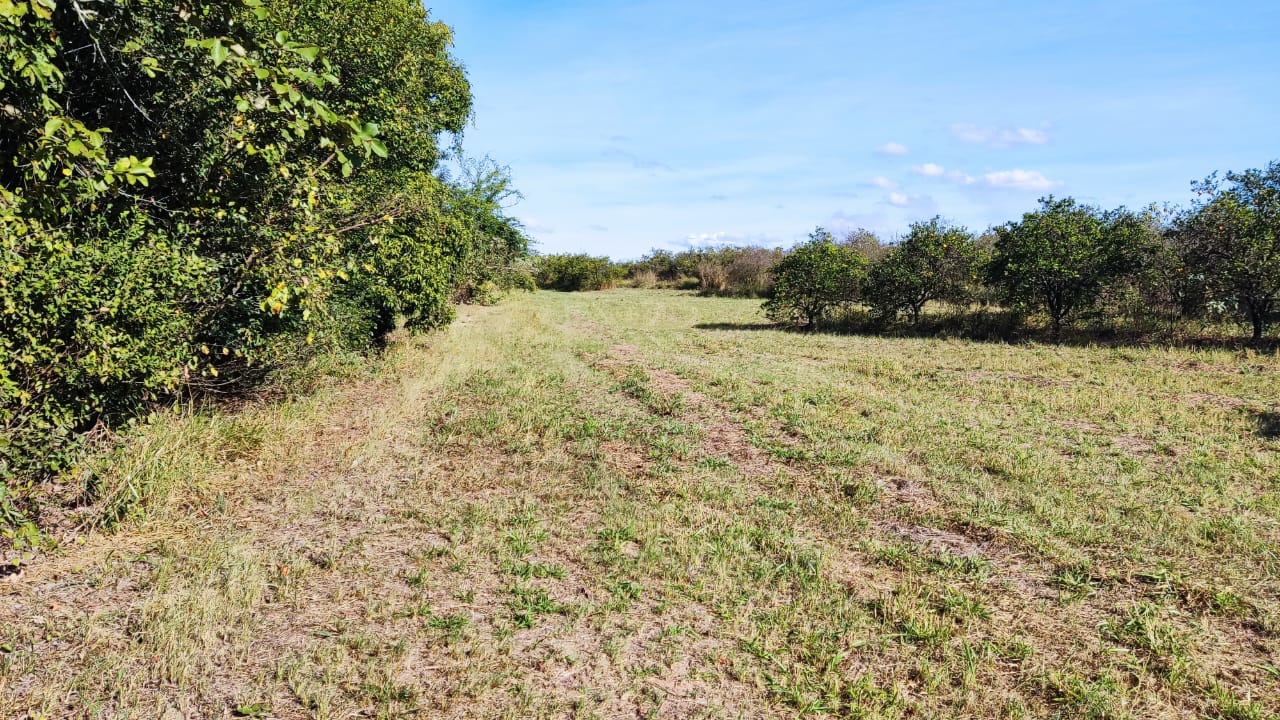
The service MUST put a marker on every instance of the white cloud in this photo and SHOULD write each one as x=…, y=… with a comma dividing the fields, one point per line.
x=536, y=227
x=1019, y=180
x=893, y=148
x=695, y=241
x=898, y=199
x=930, y=170
x=884, y=183
x=705, y=239
x=998, y=137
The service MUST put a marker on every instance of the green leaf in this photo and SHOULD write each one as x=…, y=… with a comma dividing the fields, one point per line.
x=219, y=52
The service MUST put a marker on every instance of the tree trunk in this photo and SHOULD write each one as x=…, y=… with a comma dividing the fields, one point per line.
x=1257, y=312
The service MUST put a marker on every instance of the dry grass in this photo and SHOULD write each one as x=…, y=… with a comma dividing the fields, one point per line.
x=590, y=506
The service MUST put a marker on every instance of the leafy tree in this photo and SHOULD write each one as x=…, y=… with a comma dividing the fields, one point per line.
x=1233, y=236
x=935, y=261
x=193, y=193
x=813, y=279
x=866, y=243
x=1059, y=257
x=1164, y=283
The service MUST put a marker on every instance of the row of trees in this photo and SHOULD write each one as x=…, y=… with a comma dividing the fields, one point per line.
x=1218, y=259
x=1062, y=259
x=192, y=194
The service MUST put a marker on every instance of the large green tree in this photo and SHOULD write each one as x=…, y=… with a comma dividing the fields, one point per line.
x=192, y=193
x=813, y=279
x=1058, y=258
x=1232, y=237
x=935, y=261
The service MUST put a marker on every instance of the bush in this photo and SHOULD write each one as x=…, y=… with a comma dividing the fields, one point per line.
x=572, y=273
x=1233, y=238
x=815, y=279
x=1059, y=258
x=934, y=261
x=643, y=278
x=157, y=242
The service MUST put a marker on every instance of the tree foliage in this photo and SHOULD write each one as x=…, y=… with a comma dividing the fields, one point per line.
x=1233, y=237
x=935, y=261
x=1058, y=258
x=814, y=279
x=572, y=273
x=193, y=193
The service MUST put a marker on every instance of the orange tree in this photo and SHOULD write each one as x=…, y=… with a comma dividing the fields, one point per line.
x=814, y=279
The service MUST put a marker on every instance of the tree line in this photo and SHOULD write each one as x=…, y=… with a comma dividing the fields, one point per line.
x=1063, y=261
x=194, y=194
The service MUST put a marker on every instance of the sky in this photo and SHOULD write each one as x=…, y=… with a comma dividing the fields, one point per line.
x=630, y=126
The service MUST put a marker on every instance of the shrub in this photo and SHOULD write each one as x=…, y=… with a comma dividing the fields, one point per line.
x=813, y=280
x=1233, y=237
x=1059, y=257
x=867, y=244
x=934, y=261
x=571, y=273
x=644, y=278
x=157, y=242
x=750, y=272
x=713, y=275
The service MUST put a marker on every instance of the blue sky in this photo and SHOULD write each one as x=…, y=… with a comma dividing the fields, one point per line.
x=664, y=124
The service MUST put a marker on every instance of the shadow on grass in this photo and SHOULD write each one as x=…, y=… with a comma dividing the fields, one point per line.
x=1268, y=425
x=1006, y=328
x=744, y=326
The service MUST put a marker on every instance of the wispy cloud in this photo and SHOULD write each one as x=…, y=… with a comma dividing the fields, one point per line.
x=636, y=161
x=720, y=239
x=1019, y=180
x=998, y=137
x=884, y=183
x=537, y=227
x=914, y=205
x=701, y=239
x=893, y=148
x=1006, y=179
x=598, y=228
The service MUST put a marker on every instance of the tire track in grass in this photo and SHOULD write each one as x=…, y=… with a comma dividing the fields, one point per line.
x=1067, y=633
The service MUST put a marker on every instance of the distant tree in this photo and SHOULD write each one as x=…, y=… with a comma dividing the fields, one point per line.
x=935, y=261
x=573, y=273
x=1164, y=283
x=866, y=243
x=1059, y=257
x=1233, y=236
x=813, y=279
x=662, y=263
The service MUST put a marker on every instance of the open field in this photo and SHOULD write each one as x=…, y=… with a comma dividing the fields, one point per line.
x=638, y=504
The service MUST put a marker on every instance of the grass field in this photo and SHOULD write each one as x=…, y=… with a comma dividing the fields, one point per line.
x=645, y=504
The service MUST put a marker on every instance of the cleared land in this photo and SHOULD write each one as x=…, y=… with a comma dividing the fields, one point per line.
x=636, y=504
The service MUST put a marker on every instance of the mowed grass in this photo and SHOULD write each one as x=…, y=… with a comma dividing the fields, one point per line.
x=647, y=504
